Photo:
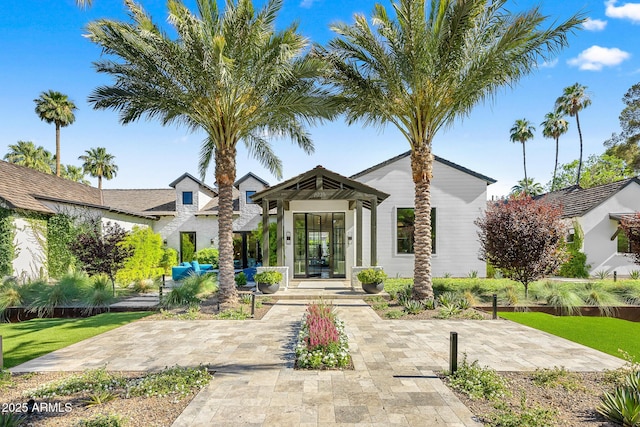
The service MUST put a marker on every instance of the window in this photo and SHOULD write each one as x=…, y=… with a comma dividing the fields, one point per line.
x=623, y=243
x=187, y=198
x=249, y=194
x=405, y=220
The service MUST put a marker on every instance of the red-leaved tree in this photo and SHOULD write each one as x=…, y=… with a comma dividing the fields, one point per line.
x=522, y=237
x=631, y=227
x=100, y=249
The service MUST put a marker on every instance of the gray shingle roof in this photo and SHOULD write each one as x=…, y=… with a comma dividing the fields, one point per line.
x=143, y=201
x=577, y=201
x=21, y=187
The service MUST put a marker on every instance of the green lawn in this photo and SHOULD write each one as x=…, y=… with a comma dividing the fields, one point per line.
x=27, y=340
x=602, y=333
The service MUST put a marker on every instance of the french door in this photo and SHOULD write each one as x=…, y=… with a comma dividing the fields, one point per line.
x=319, y=245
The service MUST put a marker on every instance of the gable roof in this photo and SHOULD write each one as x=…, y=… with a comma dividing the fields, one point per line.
x=436, y=158
x=196, y=180
x=250, y=175
x=23, y=188
x=577, y=201
x=319, y=184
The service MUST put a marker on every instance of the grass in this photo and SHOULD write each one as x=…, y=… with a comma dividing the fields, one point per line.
x=24, y=341
x=601, y=333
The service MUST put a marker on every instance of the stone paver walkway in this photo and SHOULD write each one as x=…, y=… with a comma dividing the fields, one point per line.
x=393, y=382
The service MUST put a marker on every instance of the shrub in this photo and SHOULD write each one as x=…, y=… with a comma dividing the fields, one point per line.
x=526, y=417
x=145, y=285
x=634, y=274
x=241, y=279
x=190, y=291
x=101, y=420
x=68, y=291
x=394, y=314
x=576, y=265
x=7, y=248
x=61, y=232
x=146, y=251
x=92, y=381
x=270, y=277
x=371, y=276
x=208, y=256
x=171, y=381
x=478, y=382
x=558, y=376
x=169, y=259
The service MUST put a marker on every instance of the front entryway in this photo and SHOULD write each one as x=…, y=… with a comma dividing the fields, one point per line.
x=319, y=245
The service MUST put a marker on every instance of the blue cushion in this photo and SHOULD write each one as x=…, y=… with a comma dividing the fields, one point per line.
x=186, y=264
x=195, y=265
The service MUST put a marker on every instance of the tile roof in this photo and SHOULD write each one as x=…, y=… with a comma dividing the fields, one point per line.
x=142, y=201
x=577, y=201
x=24, y=188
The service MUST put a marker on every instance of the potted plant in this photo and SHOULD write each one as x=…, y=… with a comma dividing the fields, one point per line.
x=268, y=281
x=372, y=280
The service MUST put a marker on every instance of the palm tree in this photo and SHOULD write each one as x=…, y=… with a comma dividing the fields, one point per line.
x=528, y=187
x=25, y=153
x=98, y=163
x=554, y=126
x=55, y=107
x=74, y=173
x=573, y=100
x=426, y=68
x=521, y=132
x=230, y=74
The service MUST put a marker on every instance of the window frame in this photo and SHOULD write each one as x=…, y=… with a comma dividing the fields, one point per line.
x=247, y=196
x=190, y=198
x=434, y=233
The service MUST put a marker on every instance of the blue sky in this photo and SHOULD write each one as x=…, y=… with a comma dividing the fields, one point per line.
x=42, y=48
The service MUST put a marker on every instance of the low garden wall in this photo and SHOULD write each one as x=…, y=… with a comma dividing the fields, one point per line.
x=630, y=313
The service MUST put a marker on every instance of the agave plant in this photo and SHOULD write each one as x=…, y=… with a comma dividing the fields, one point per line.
x=412, y=306
x=622, y=406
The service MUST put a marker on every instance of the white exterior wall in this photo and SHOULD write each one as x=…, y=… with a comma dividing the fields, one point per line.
x=250, y=213
x=459, y=198
x=319, y=206
x=31, y=257
x=601, y=251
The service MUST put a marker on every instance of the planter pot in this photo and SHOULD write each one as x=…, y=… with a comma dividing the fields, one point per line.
x=373, y=288
x=267, y=288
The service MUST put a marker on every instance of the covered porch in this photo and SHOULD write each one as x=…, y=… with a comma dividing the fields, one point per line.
x=320, y=224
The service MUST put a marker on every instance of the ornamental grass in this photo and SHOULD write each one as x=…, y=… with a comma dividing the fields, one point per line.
x=322, y=342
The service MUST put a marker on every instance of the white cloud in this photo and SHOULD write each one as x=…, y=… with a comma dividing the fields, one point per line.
x=596, y=57
x=594, y=24
x=549, y=64
x=307, y=3
x=626, y=11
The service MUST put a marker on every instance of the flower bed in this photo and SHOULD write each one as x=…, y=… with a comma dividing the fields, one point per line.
x=322, y=342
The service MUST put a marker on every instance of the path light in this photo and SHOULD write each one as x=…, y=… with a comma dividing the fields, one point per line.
x=453, y=353
x=495, y=306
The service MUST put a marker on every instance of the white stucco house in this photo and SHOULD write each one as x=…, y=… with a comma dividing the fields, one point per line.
x=598, y=211
x=326, y=223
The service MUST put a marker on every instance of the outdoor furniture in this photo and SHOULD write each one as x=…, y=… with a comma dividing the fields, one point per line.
x=186, y=269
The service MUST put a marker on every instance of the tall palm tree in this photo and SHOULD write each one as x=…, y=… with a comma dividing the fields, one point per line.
x=230, y=74
x=55, y=107
x=521, y=132
x=528, y=187
x=74, y=173
x=25, y=153
x=426, y=68
x=573, y=100
x=554, y=126
x=98, y=163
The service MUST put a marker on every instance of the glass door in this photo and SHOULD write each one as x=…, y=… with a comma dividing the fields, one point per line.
x=319, y=245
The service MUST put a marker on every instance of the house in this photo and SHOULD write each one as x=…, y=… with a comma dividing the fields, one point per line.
x=325, y=223
x=598, y=211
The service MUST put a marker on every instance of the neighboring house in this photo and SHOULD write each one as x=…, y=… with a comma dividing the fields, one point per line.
x=326, y=223
x=598, y=211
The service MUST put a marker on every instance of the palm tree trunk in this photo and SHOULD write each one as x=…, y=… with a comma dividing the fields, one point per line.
x=524, y=159
x=225, y=159
x=422, y=170
x=99, y=182
x=580, y=159
x=555, y=168
x=57, y=149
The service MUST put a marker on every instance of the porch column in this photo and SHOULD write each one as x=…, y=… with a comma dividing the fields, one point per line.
x=374, y=231
x=265, y=232
x=358, y=233
x=280, y=233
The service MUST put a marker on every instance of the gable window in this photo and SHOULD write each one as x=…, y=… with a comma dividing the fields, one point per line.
x=187, y=197
x=250, y=193
x=405, y=225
